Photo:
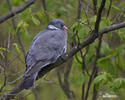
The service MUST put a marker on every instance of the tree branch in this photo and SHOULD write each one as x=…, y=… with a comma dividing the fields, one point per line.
x=95, y=6
x=99, y=16
x=109, y=9
x=16, y=11
x=18, y=33
x=79, y=9
x=90, y=39
x=95, y=68
x=65, y=84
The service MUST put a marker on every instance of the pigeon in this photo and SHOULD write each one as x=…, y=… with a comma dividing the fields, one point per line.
x=47, y=46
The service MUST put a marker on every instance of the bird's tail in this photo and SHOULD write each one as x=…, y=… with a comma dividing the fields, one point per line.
x=28, y=81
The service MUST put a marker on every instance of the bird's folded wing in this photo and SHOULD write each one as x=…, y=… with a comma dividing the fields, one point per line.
x=35, y=68
x=44, y=50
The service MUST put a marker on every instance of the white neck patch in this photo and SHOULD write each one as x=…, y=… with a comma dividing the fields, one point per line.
x=52, y=27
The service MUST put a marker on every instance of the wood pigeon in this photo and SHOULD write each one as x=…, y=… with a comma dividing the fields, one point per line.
x=47, y=46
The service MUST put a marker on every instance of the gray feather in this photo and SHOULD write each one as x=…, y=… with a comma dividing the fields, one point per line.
x=45, y=49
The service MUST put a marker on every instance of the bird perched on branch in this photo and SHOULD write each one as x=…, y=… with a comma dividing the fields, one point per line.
x=46, y=48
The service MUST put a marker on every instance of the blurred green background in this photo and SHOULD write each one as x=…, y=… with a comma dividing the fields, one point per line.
x=110, y=79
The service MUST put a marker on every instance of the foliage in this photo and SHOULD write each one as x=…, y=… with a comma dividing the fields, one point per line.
x=110, y=64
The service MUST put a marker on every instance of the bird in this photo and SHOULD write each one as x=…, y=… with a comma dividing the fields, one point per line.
x=47, y=46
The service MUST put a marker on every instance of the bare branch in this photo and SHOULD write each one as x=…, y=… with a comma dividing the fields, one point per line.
x=65, y=84
x=110, y=5
x=98, y=49
x=112, y=27
x=5, y=63
x=18, y=33
x=20, y=42
x=85, y=8
x=95, y=68
x=10, y=8
x=79, y=9
x=16, y=11
x=90, y=39
x=83, y=91
x=44, y=5
x=45, y=9
x=94, y=71
x=99, y=16
x=119, y=13
x=35, y=93
x=95, y=6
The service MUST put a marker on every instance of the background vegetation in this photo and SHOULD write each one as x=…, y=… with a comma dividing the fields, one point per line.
x=96, y=72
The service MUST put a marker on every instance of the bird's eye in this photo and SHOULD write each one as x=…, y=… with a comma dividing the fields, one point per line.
x=62, y=25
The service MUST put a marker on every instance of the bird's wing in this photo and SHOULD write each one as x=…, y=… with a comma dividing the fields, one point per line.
x=45, y=49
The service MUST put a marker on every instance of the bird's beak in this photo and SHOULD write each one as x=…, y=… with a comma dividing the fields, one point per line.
x=65, y=28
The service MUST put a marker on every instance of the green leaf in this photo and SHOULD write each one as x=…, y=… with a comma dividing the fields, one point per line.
x=121, y=34
x=118, y=83
x=104, y=59
x=73, y=27
x=16, y=2
x=40, y=15
x=105, y=22
x=105, y=48
x=3, y=49
x=93, y=20
x=115, y=7
x=17, y=47
x=102, y=78
x=22, y=25
x=120, y=59
x=62, y=10
x=26, y=36
x=112, y=53
x=35, y=21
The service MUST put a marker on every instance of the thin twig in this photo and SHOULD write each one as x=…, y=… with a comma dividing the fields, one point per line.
x=5, y=63
x=110, y=5
x=99, y=16
x=16, y=11
x=79, y=9
x=86, y=14
x=97, y=53
x=95, y=6
x=116, y=17
x=89, y=40
x=95, y=68
x=20, y=42
x=94, y=71
x=45, y=9
x=65, y=84
x=18, y=33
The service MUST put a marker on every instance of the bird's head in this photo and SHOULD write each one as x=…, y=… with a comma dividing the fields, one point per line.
x=57, y=24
